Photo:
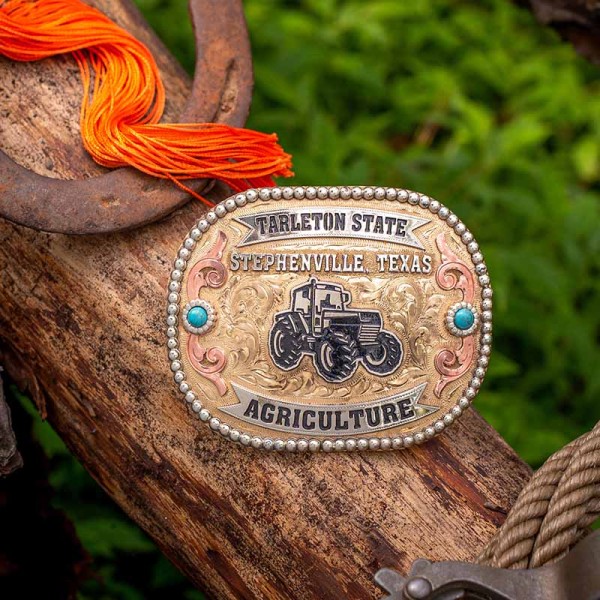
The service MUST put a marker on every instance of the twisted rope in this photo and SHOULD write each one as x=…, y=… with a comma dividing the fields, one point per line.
x=553, y=511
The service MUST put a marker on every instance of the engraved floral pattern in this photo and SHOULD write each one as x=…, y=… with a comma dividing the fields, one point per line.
x=208, y=362
x=209, y=271
x=411, y=308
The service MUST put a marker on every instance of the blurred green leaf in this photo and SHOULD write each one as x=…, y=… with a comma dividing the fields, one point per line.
x=585, y=157
x=104, y=536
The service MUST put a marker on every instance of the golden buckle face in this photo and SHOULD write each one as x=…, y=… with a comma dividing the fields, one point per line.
x=329, y=318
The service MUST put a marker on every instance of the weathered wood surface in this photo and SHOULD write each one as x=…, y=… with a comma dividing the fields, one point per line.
x=85, y=315
x=104, y=202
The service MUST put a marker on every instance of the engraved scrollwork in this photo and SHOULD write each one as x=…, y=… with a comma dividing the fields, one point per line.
x=246, y=299
x=208, y=362
x=208, y=271
x=412, y=308
x=451, y=365
x=452, y=274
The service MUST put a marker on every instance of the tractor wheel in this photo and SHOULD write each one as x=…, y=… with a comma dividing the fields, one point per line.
x=336, y=356
x=285, y=345
x=386, y=357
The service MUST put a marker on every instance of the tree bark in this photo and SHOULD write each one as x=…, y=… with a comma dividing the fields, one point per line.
x=577, y=21
x=10, y=458
x=86, y=315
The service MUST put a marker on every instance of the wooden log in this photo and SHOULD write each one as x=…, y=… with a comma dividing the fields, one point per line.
x=86, y=315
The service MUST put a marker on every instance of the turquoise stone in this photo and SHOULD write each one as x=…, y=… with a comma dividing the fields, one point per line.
x=463, y=319
x=197, y=316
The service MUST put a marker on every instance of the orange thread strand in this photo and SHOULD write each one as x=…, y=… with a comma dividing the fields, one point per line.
x=124, y=98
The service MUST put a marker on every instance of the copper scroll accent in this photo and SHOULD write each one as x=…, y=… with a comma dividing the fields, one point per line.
x=209, y=271
x=452, y=274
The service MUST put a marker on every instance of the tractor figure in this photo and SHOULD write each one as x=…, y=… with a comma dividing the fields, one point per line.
x=321, y=324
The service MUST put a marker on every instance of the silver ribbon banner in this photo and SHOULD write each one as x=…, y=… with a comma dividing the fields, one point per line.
x=328, y=221
x=329, y=419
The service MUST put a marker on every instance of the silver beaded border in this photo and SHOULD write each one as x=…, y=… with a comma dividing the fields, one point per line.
x=452, y=328
x=210, y=313
x=331, y=193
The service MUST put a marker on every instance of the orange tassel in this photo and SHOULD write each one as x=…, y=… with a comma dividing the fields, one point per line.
x=124, y=99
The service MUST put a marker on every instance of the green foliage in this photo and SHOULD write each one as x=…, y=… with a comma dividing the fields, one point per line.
x=478, y=105
x=470, y=101
x=484, y=109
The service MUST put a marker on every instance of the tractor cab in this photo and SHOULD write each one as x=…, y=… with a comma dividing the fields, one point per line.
x=316, y=297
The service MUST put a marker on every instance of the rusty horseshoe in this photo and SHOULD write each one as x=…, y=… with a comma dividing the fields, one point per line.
x=125, y=198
